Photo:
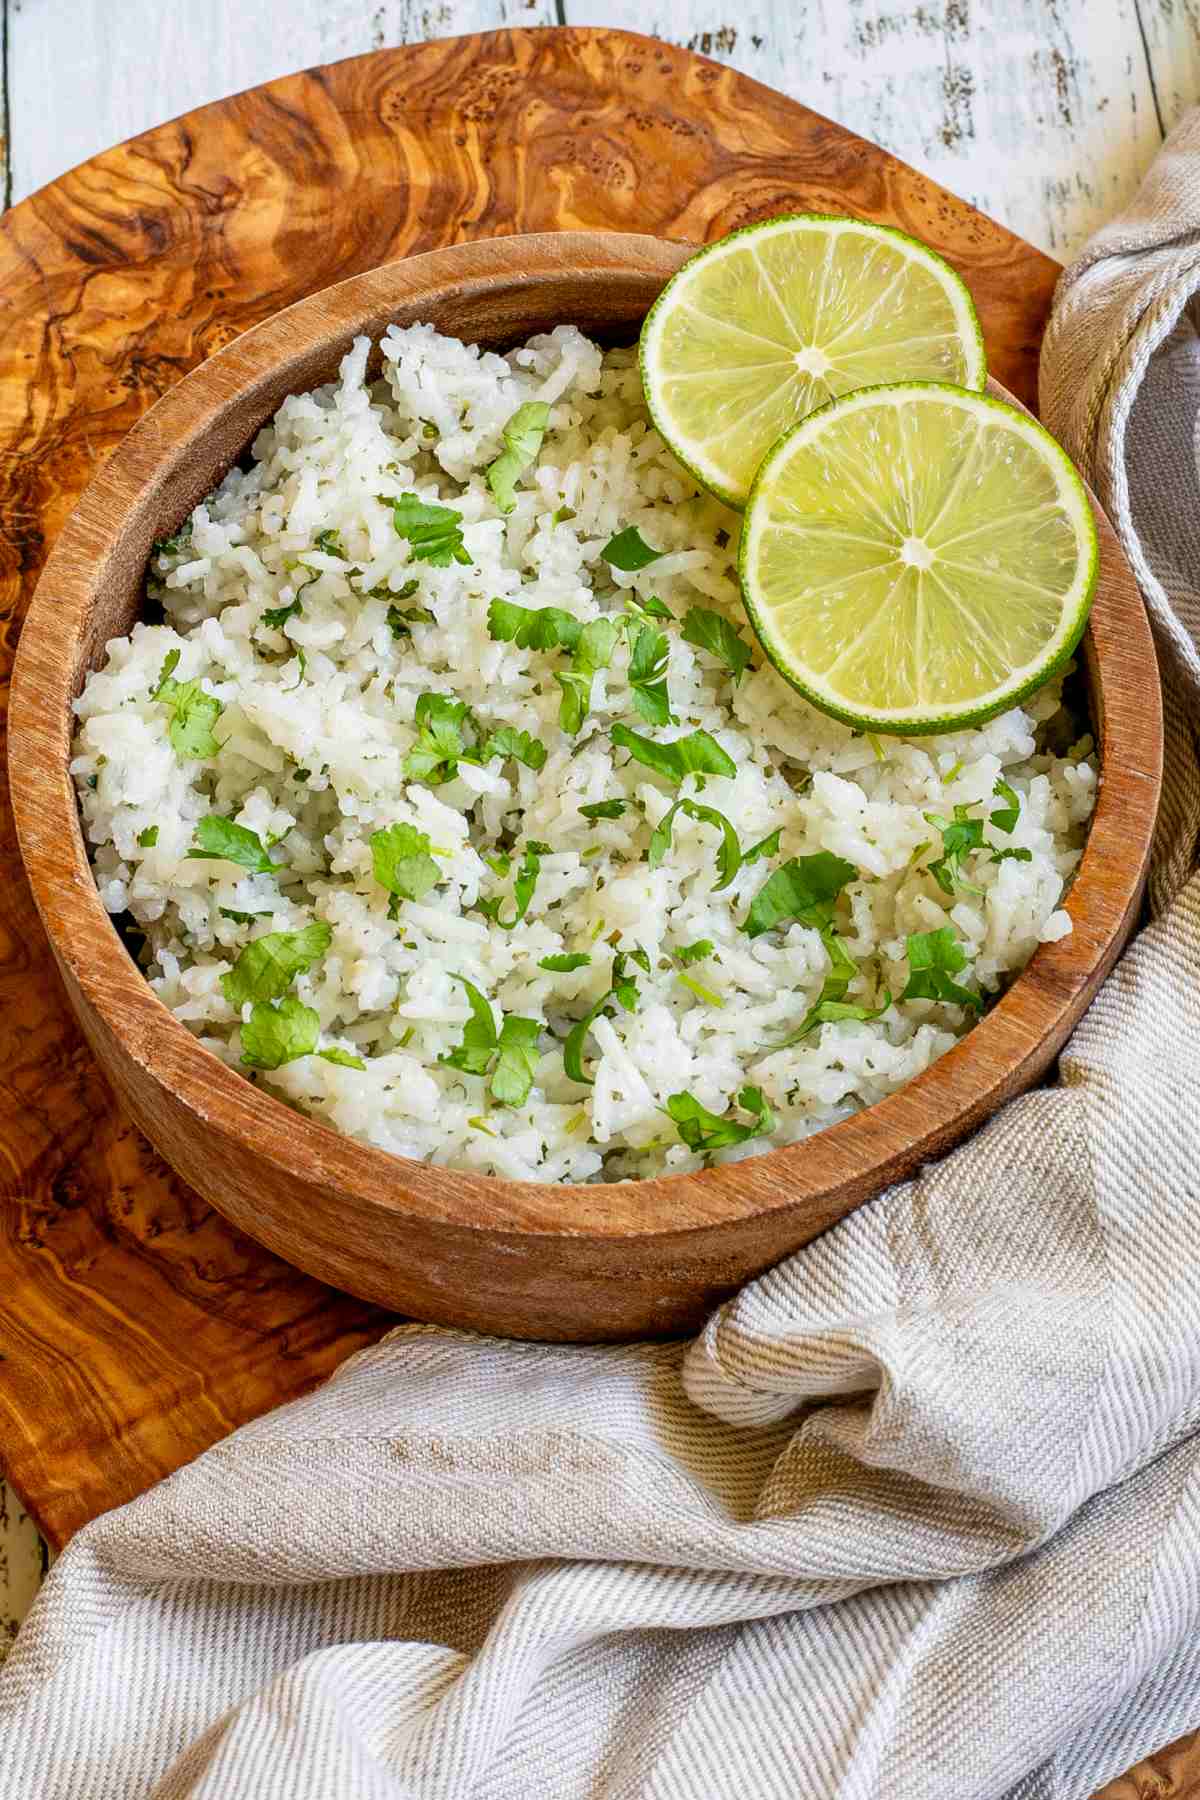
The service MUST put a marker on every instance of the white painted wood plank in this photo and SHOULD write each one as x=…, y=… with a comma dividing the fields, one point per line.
x=1040, y=113
x=1172, y=33
x=91, y=73
x=21, y=1565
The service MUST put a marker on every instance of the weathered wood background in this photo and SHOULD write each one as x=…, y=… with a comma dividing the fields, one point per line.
x=1044, y=113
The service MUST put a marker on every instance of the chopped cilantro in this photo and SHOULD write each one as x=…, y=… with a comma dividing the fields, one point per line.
x=593, y=652
x=532, y=627
x=400, y=623
x=693, y=953
x=1012, y=855
x=804, y=889
x=513, y=1049
x=698, y=988
x=176, y=544
x=651, y=606
x=224, y=840
x=960, y=836
x=624, y=990
x=343, y=1058
x=522, y=439
x=710, y=631
x=563, y=514
x=703, y=1131
x=768, y=846
x=604, y=809
x=729, y=855
x=193, y=712
x=828, y=1011
x=331, y=543
x=148, y=838
x=564, y=964
x=629, y=551
x=267, y=967
x=648, y=655
x=276, y=617
x=520, y=745
x=696, y=754
x=433, y=532
x=1005, y=817
x=242, y=918
x=440, y=744
x=934, y=958
x=401, y=860
x=278, y=1034
x=523, y=886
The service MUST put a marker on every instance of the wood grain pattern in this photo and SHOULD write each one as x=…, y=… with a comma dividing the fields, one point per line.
x=139, y=1326
x=519, y=1258
x=1043, y=114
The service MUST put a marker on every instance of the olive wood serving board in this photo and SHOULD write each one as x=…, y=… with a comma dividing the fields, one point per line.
x=136, y=1326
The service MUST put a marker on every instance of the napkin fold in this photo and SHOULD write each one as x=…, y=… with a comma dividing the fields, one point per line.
x=919, y=1512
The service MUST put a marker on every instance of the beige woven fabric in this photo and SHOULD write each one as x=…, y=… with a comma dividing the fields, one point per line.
x=917, y=1516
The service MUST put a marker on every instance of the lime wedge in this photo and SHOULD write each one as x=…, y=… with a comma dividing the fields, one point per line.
x=759, y=329
x=917, y=557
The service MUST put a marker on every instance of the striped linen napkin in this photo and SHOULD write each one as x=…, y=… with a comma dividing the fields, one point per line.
x=919, y=1513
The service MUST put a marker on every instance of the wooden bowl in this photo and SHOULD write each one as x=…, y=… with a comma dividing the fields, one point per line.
x=604, y=1262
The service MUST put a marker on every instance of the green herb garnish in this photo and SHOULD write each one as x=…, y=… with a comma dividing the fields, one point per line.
x=592, y=652
x=934, y=958
x=401, y=860
x=648, y=656
x=433, y=532
x=276, y=617
x=148, y=838
x=343, y=1058
x=652, y=607
x=710, y=631
x=522, y=439
x=1005, y=817
x=604, y=809
x=703, y=1131
x=768, y=846
x=400, y=623
x=729, y=855
x=696, y=754
x=693, y=953
x=520, y=745
x=804, y=889
x=532, y=627
x=193, y=712
x=278, y=1034
x=1012, y=855
x=440, y=745
x=523, y=886
x=960, y=836
x=267, y=967
x=176, y=544
x=330, y=542
x=223, y=840
x=629, y=551
x=624, y=990
x=512, y=1050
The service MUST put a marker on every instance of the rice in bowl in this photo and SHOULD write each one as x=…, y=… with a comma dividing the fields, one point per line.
x=346, y=746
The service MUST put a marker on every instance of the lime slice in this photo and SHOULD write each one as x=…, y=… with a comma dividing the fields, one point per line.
x=768, y=324
x=918, y=557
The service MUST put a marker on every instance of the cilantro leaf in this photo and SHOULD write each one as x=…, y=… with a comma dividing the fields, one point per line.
x=400, y=623
x=696, y=754
x=729, y=855
x=433, y=532
x=148, y=838
x=768, y=846
x=522, y=439
x=604, y=809
x=176, y=544
x=1012, y=855
x=703, y=1131
x=651, y=606
x=276, y=617
x=480, y=1037
x=830, y=1012
x=648, y=656
x=805, y=888
x=242, y=918
x=520, y=745
x=193, y=712
x=267, y=967
x=693, y=953
x=593, y=652
x=1005, y=817
x=440, y=744
x=710, y=631
x=223, y=840
x=278, y=1034
x=533, y=627
x=514, y=1049
x=564, y=964
x=960, y=836
x=934, y=958
x=343, y=1058
x=402, y=863
x=624, y=990
x=331, y=543
x=523, y=886
x=629, y=551
x=516, y=1061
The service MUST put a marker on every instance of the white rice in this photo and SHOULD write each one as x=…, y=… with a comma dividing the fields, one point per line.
x=312, y=757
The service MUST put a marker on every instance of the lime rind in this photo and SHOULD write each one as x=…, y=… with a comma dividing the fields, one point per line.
x=755, y=380
x=1074, y=606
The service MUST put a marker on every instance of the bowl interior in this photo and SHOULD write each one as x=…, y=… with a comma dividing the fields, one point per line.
x=497, y=294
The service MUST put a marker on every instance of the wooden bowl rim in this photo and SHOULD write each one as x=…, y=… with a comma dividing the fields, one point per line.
x=863, y=1149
